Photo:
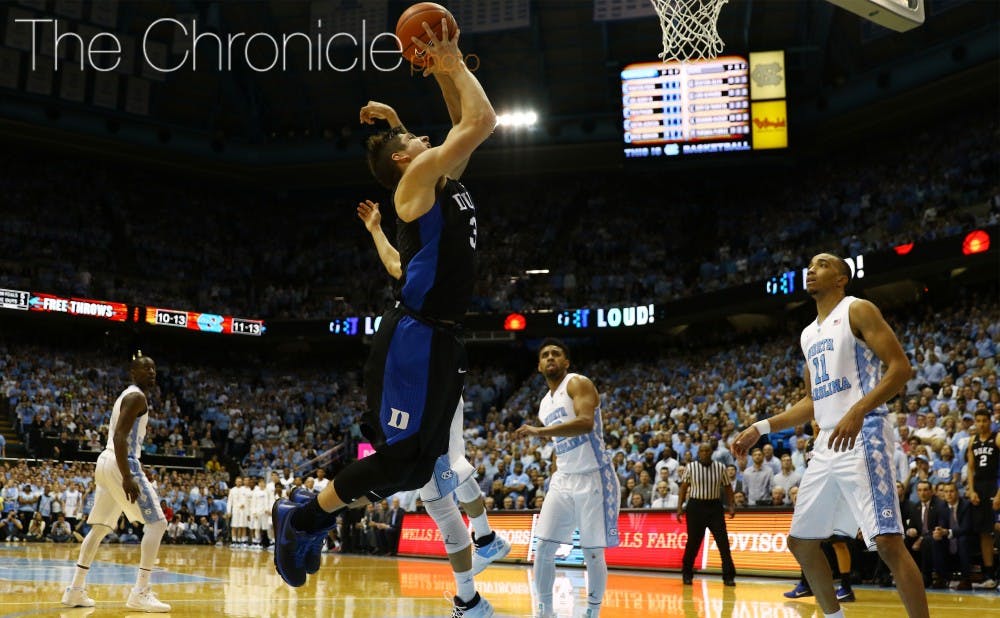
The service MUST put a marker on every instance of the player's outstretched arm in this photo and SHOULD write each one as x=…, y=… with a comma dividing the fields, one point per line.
x=369, y=214
x=415, y=193
x=801, y=412
x=454, y=103
x=374, y=110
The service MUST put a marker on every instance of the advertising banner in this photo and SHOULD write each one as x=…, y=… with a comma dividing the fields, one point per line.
x=649, y=540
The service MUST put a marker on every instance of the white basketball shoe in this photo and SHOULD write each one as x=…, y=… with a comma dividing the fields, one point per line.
x=146, y=601
x=77, y=597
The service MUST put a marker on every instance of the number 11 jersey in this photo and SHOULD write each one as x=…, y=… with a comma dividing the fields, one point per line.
x=842, y=368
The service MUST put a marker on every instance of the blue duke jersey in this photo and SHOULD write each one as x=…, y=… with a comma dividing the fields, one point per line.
x=575, y=454
x=138, y=433
x=842, y=367
x=437, y=255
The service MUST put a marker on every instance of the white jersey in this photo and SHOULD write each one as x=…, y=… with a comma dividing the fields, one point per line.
x=244, y=496
x=72, y=503
x=273, y=493
x=138, y=433
x=575, y=454
x=842, y=367
x=235, y=503
x=258, y=501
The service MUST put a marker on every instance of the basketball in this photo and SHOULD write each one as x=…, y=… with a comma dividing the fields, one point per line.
x=410, y=25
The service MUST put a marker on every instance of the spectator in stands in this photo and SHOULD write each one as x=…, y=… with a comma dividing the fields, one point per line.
x=757, y=479
x=946, y=468
x=928, y=431
x=778, y=496
x=770, y=460
x=961, y=537
x=665, y=499
x=36, y=529
x=217, y=528
x=636, y=501
x=61, y=531
x=12, y=528
x=787, y=477
x=644, y=487
x=928, y=516
x=126, y=532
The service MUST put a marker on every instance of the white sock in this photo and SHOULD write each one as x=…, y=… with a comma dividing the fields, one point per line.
x=597, y=578
x=88, y=549
x=837, y=614
x=466, y=585
x=148, y=549
x=142, y=579
x=481, y=525
x=80, y=576
x=545, y=572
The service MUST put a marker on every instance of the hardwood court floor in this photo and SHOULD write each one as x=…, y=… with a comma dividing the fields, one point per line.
x=216, y=582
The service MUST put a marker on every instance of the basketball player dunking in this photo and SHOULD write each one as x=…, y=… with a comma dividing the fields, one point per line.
x=583, y=493
x=849, y=482
x=415, y=373
x=122, y=486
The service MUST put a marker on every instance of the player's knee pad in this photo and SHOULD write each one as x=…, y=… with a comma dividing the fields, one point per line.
x=468, y=491
x=545, y=550
x=446, y=515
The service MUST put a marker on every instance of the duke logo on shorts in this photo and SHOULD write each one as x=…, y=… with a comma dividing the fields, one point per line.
x=841, y=492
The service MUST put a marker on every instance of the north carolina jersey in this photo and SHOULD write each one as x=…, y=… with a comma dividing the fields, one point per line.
x=437, y=255
x=842, y=367
x=138, y=432
x=574, y=454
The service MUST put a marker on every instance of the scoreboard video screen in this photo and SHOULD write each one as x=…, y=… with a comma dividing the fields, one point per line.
x=726, y=104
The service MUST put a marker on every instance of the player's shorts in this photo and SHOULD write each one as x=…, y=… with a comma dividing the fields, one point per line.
x=588, y=501
x=983, y=515
x=413, y=380
x=451, y=469
x=110, y=500
x=240, y=519
x=257, y=521
x=843, y=491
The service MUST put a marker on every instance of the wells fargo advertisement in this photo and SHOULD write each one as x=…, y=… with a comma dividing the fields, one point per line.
x=649, y=540
x=421, y=537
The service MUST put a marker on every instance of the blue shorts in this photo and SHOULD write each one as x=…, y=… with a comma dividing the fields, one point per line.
x=413, y=381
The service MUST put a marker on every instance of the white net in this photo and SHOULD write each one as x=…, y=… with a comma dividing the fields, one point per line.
x=689, y=28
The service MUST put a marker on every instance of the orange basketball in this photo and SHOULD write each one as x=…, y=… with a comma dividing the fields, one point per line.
x=410, y=25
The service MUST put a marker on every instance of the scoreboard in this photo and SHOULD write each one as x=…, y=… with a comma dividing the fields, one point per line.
x=703, y=106
x=204, y=322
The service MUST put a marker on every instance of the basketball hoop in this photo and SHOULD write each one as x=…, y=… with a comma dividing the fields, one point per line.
x=689, y=28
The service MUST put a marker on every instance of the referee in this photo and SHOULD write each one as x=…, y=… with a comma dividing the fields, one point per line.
x=707, y=480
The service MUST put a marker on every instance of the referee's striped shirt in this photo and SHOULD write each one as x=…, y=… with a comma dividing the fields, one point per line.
x=705, y=482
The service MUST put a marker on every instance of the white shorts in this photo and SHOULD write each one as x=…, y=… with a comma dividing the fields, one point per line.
x=110, y=500
x=241, y=518
x=257, y=521
x=451, y=469
x=588, y=501
x=841, y=492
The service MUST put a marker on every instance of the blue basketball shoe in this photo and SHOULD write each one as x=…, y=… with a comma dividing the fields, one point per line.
x=488, y=552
